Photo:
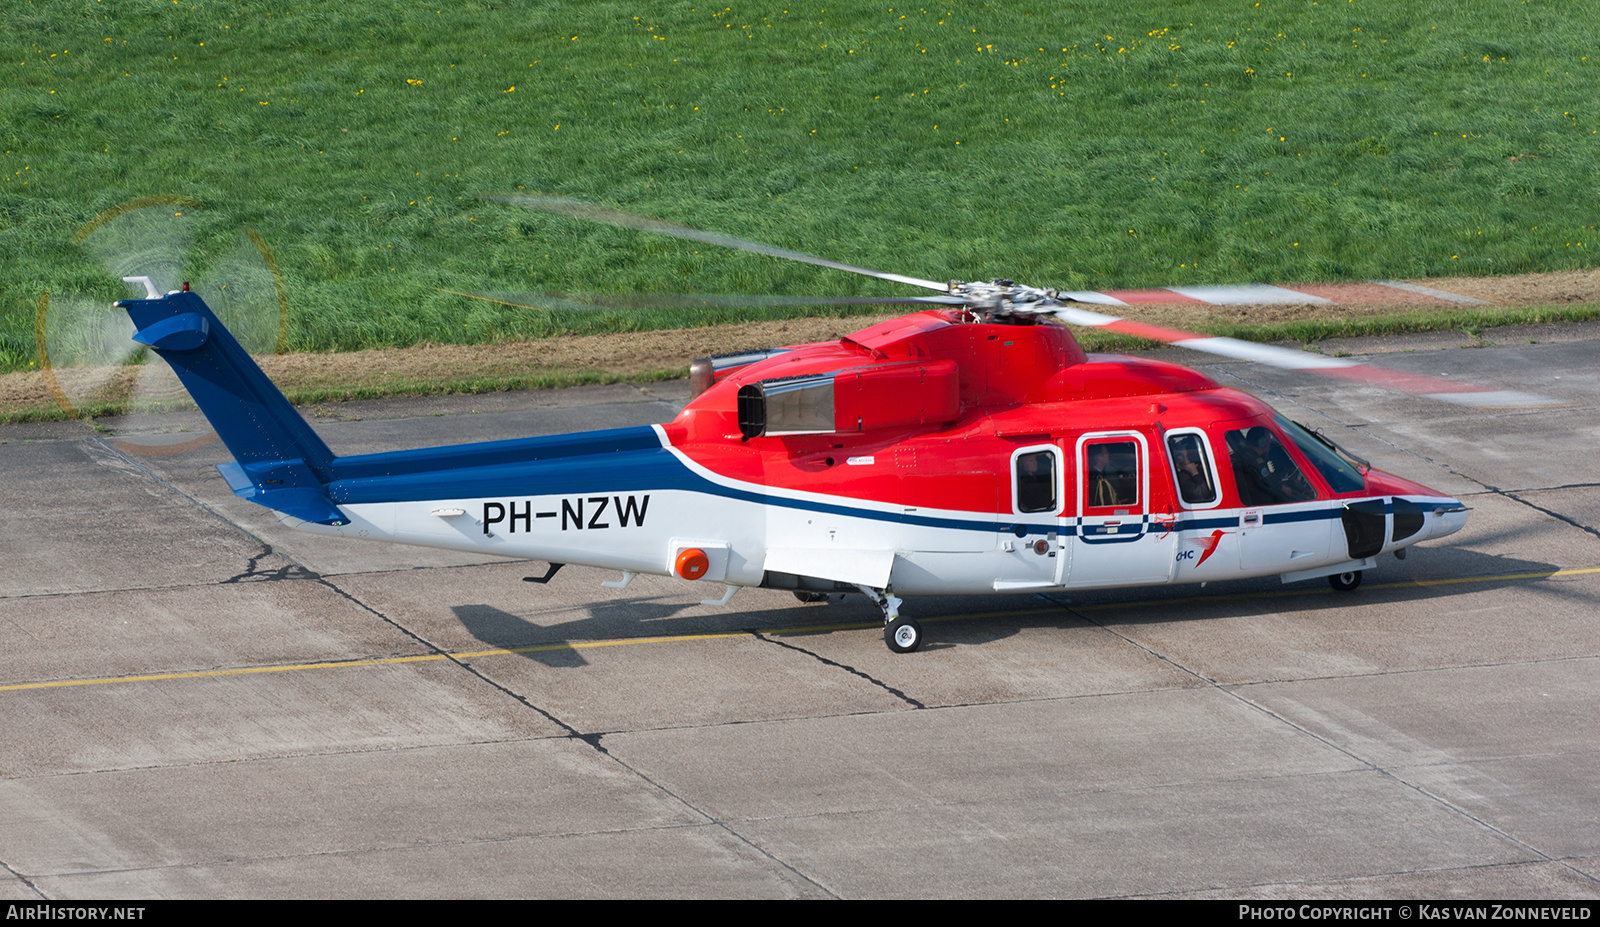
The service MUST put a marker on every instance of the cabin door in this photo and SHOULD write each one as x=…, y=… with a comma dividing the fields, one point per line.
x=1032, y=553
x=1115, y=541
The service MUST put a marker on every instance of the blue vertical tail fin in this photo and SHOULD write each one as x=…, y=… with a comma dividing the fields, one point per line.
x=281, y=462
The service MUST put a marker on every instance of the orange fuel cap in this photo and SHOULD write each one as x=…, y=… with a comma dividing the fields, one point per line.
x=693, y=563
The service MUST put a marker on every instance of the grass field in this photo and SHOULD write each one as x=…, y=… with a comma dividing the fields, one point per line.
x=1078, y=145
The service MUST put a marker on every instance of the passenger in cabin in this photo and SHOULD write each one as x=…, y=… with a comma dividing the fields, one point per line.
x=1193, y=483
x=1113, y=474
x=1102, y=491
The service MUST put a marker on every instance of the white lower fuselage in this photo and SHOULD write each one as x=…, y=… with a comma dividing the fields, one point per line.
x=754, y=534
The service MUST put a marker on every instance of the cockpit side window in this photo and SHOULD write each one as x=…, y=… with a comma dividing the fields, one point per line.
x=1192, y=469
x=1263, y=471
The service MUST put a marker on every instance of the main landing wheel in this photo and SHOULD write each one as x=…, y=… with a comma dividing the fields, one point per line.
x=1346, y=581
x=903, y=635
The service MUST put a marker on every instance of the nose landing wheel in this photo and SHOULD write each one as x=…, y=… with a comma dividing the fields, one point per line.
x=903, y=635
x=1346, y=581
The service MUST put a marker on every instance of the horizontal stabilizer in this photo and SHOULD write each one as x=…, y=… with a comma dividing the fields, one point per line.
x=306, y=500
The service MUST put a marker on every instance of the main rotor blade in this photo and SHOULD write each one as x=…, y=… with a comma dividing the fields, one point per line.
x=692, y=301
x=1446, y=390
x=577, y=209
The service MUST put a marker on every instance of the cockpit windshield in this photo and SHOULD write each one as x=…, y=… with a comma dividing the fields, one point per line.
x=1338, y=467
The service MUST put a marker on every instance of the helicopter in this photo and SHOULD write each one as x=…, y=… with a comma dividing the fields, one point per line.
x=968, y=447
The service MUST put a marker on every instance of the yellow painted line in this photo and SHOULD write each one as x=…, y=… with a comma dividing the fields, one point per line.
x=200, y=674
x=585, y=645
x=723, y=635
x=1542, y=574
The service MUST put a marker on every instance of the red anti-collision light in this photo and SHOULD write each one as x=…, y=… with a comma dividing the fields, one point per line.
x=692, y=563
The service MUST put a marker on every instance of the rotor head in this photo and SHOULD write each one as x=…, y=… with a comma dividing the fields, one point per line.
x=1002, y=300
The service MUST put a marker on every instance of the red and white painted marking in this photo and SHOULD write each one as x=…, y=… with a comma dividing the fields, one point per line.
x=1261, y=294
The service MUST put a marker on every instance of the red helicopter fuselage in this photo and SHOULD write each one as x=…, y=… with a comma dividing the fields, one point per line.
x=1097, y=470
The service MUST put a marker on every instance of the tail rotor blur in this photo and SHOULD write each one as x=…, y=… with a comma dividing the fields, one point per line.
x=91, y=365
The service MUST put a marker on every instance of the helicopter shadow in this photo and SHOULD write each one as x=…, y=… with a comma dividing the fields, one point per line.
x=502, y=630
x=1462, y=573
x=1446, y=574
x=556, y=646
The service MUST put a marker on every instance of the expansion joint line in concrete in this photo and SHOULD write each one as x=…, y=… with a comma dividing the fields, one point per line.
x=6, y=867
x=594, y=740
x=1512, y=495
x=708, y=817
x=1369, y=764
x=849, y=669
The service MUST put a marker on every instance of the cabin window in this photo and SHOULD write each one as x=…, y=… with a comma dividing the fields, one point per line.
x=1112, y=469
x=1263, y=470
x=1191, y=467
x=1036, y=482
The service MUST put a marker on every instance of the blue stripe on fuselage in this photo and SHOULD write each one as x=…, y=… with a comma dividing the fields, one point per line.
x=632, y=460
x=487, y=454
